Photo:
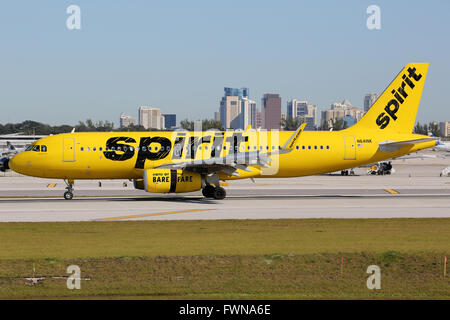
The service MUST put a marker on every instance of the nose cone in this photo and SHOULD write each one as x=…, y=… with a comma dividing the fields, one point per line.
x=19, y=164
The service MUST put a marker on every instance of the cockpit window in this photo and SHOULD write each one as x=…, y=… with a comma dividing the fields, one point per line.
x=43, y=148
x=36, y=148
x=29, y=148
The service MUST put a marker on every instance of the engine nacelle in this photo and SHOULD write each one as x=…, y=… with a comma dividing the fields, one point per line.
x=169, y=181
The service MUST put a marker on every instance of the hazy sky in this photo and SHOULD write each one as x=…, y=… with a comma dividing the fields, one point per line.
x=178, y=55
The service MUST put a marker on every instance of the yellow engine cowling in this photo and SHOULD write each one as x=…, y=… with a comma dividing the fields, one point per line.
x=171, y=181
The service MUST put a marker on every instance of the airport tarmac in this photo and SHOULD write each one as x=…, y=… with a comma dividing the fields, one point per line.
x=415, y=190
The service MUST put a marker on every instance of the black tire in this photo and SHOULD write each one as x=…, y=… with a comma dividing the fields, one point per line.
x=68, y=195
x=219, y=193
x=208, y=191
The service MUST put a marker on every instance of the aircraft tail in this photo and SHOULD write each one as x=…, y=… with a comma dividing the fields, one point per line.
x=396, y=109
x=10, y=146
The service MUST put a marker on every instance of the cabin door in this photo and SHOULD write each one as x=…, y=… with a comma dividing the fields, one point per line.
x=350, y=148
x=69, y=149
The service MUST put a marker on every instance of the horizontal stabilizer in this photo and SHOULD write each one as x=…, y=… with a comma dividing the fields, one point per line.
x=391, y=146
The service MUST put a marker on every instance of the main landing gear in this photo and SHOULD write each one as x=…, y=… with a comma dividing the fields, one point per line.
x=68, y=195
x=210, y=191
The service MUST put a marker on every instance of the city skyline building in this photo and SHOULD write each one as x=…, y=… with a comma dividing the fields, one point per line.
x=302, y=110
x=126, y=120
x=444, y=128
x=271, y=111
x=236, y=110
x=151, y=118
x=369, y=100
x=170, y=121
x=339, y=111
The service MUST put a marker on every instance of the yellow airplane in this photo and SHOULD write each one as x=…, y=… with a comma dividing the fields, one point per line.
x=182, y=161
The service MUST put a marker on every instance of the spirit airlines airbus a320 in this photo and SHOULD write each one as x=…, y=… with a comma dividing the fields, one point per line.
x=180, y=161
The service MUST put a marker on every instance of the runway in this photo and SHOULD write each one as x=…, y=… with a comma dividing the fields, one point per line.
x=414, y=191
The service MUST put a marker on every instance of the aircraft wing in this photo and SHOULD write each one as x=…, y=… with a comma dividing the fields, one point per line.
x=391, y=146
x=237, y=160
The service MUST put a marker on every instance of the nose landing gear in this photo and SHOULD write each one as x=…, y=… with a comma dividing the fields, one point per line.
x=68, y=195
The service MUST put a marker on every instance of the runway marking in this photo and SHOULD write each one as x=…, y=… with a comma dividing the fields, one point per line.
x=152, y=214
x=51, y=185
x=391, y=191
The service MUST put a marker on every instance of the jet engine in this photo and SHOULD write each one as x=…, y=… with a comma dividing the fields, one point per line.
x=169, y=181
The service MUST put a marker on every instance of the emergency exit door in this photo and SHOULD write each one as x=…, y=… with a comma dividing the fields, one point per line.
x=350, y=148
x=68, y=149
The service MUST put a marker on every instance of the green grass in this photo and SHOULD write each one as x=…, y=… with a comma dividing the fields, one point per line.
x=228, y=258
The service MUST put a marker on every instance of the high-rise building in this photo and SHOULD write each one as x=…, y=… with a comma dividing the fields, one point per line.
x=301, y=109
x=444, y=128
x=339, y=111
x=170, y=121
x=151, y=118
x=126, y=120
x=236, y=110
x=258, y=123
x=369, y=100
x=217, y=116
x=271, y=111
x=247, y=114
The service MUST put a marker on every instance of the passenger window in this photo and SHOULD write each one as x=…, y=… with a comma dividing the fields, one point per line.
x=81, y=149
x=44, y=148
x=321, y=147
x=315, y=147
x=88, y=149
x=119, y=148
x=309, y=147
x=296, y=147
x=94, y=149
x=328, y=147
x=100, y=149
x=303, y=147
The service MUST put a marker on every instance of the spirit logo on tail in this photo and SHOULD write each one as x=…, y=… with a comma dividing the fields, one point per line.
x=399, y=97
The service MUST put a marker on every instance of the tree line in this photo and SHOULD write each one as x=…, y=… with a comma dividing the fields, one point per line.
x=30, y=127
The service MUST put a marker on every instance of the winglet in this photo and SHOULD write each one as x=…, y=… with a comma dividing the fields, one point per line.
x=290, y=144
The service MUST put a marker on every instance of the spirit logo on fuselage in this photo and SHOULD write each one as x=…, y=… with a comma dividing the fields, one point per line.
x=184, y=147
x=400, y=96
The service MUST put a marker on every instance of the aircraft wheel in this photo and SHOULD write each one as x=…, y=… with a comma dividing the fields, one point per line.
x=208, y=191
x=219, y=193
x=68, y=195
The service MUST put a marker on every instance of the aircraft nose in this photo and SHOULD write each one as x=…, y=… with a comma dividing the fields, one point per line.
x=18, y=163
